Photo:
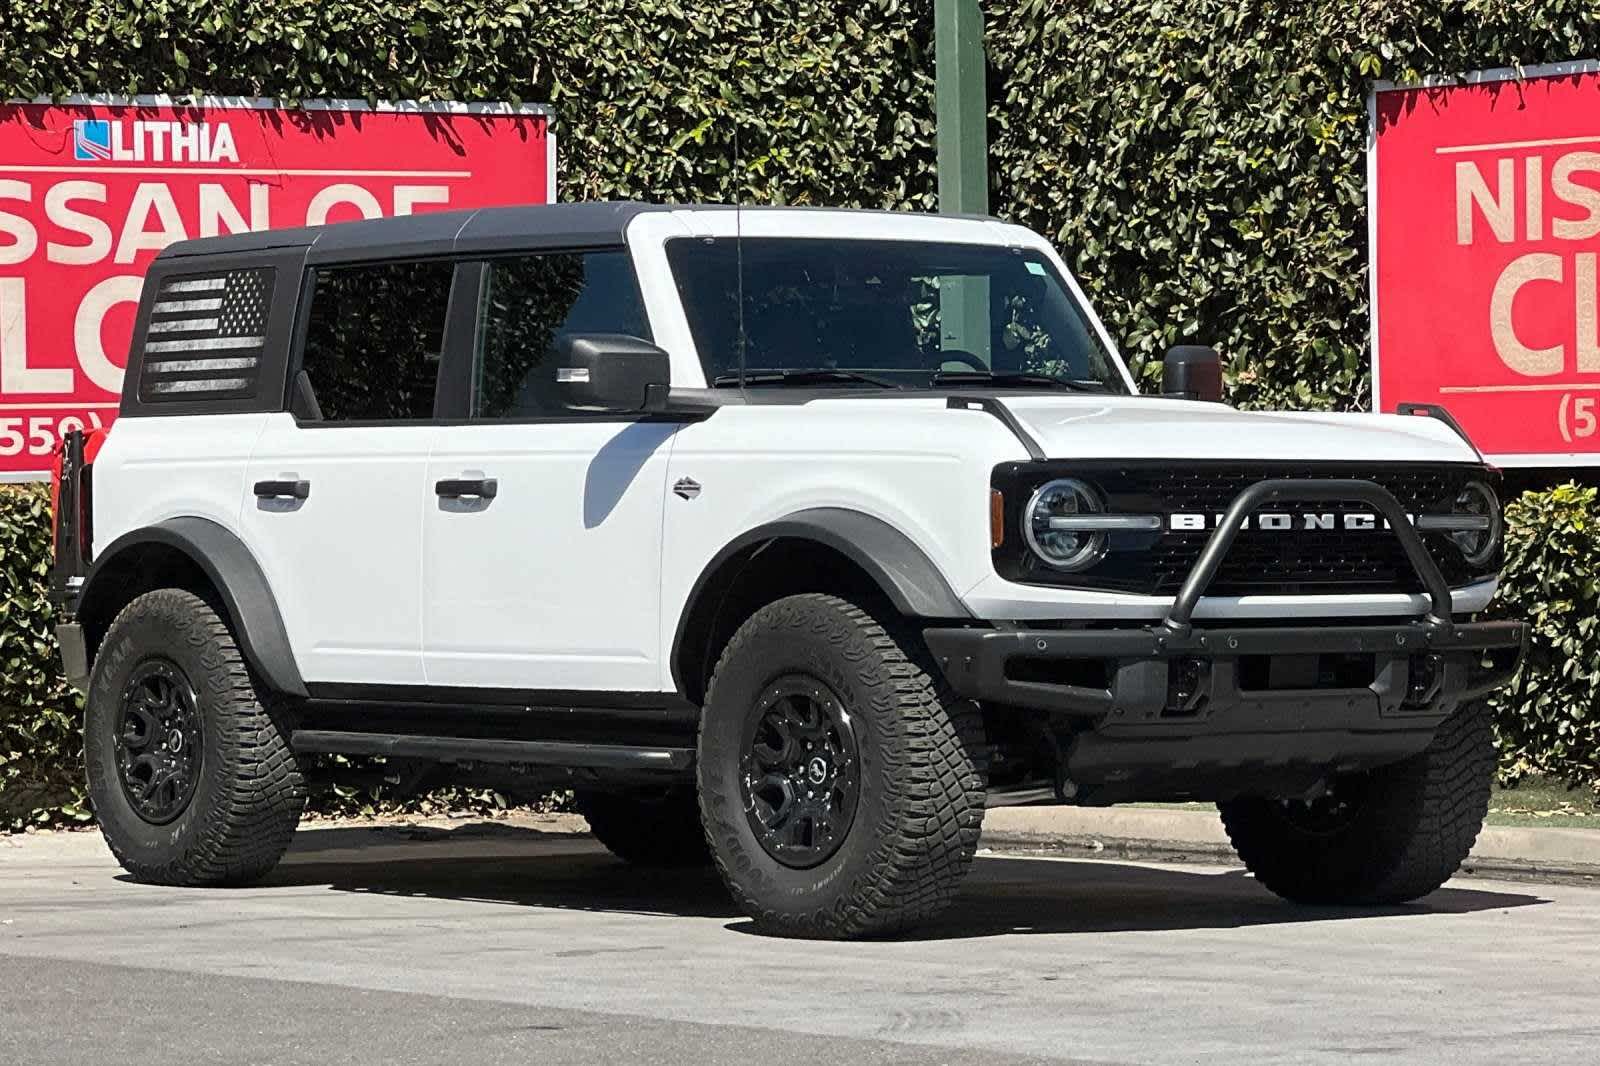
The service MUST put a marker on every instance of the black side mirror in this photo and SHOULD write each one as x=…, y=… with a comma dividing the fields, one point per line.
x=608, y=371
x=1192, y=372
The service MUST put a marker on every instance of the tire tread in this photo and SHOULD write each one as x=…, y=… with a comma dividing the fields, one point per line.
x=933, y=777
x=1422, y=820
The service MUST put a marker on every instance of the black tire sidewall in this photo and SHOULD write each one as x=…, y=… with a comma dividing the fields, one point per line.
x=772, y=650
x=648, y=829
x=1416, y=824
x=157, y=625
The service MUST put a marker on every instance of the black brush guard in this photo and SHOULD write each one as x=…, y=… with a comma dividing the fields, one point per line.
x=1176, y=698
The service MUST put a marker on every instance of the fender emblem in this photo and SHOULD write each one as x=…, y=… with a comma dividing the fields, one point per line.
x=687, y=487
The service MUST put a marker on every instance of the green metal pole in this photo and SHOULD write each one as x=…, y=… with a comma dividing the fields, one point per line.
x=960, y=107
x=963, y=141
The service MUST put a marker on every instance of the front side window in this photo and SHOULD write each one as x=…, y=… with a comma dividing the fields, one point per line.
x=903, y=313
x=528, y=304
x=373, y=342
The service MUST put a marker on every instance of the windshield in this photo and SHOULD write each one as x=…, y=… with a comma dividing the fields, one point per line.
x=876, y=312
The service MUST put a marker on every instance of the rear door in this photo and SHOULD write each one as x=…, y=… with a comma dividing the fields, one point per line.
x=542, y=532
x=336, y=486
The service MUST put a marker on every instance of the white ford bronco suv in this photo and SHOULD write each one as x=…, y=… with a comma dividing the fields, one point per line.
x=785, y=539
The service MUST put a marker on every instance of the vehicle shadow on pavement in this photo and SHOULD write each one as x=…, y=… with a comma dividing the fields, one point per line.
x=496, y=863
x=1002, y=896
x=1018, y=895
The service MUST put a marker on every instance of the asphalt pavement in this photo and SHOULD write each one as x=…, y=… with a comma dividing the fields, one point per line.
x=494, y=944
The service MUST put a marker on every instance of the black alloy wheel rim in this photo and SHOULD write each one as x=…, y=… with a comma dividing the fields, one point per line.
x=800, y=771
x=158, y=741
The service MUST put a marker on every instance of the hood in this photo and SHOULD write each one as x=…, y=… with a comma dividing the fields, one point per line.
x=1137, y=427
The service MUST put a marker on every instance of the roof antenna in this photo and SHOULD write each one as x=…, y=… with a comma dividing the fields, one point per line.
x=738, y=243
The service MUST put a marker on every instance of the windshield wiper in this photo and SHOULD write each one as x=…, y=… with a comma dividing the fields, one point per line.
x=1019, y=380
x=821, y=375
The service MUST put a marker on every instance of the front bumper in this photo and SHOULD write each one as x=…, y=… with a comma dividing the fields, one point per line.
x=1153, y=673
x=1183, y=709
x=1150, y=714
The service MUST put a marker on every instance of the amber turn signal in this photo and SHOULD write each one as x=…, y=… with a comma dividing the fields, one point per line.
x=997, y=518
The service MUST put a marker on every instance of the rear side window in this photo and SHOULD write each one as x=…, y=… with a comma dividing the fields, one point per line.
x=206, y=336
x=373, y=342
x=531, y=301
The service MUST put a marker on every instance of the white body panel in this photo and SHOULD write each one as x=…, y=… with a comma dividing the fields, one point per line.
x=345, y=563
x=554, y=583
x=757, y=464
x=152, y=469
x=994, y=597
x=1141, y=427
x=576, y=575
x=914, y=464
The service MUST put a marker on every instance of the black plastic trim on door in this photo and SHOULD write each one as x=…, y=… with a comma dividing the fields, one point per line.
x=483, y=488
x=280, y=490
x=453, y=397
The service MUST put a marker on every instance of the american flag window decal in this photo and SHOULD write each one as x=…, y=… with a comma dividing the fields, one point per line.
x=206, y=335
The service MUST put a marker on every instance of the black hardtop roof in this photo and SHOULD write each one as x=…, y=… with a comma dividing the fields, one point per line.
x=485, y=229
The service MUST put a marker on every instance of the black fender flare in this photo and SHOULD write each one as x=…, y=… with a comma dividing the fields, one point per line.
x=233, y=571
x=901, y=570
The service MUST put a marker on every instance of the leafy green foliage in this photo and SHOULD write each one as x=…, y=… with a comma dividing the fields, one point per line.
x=833, y=102
x=1549, y=719
x=41, y=749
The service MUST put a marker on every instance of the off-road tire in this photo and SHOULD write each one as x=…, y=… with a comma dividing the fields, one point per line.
x=647, y=830
x=250, y=791
x=921, y=773
x=1414, y=825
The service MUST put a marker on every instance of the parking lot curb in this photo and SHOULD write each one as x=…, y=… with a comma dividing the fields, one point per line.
x=1159, y=834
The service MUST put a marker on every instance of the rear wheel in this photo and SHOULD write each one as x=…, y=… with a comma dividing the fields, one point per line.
x=655, y=829
x=188, y=757
x=840, y=781
x=1388, y=836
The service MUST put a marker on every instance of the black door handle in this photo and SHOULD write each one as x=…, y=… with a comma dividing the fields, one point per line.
x=281, y=490
x=484, y=488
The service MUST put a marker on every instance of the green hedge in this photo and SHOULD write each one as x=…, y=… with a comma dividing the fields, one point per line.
x=1549, y=719
x=834, y=100
x=41, y=749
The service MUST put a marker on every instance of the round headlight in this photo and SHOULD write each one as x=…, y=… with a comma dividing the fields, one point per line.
x=1478, y=545
x=1063, y=548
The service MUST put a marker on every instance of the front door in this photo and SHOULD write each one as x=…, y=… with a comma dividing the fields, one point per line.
x=337, y=487
x=542, y=537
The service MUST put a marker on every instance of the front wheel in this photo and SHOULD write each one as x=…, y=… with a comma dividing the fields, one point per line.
x=1391, y=835
x=841, y=782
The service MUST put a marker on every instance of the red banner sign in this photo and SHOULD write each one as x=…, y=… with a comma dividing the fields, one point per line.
x=1484, y=201
x=90, y=191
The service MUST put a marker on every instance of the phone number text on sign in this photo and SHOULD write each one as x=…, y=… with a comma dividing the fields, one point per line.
x=37, y=435
x=91, y=191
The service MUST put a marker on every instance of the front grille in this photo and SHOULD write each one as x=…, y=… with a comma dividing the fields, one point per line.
x=1430, y=488
x=1290, y=562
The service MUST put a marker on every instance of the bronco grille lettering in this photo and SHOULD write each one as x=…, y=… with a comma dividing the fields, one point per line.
x=1284, y=522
